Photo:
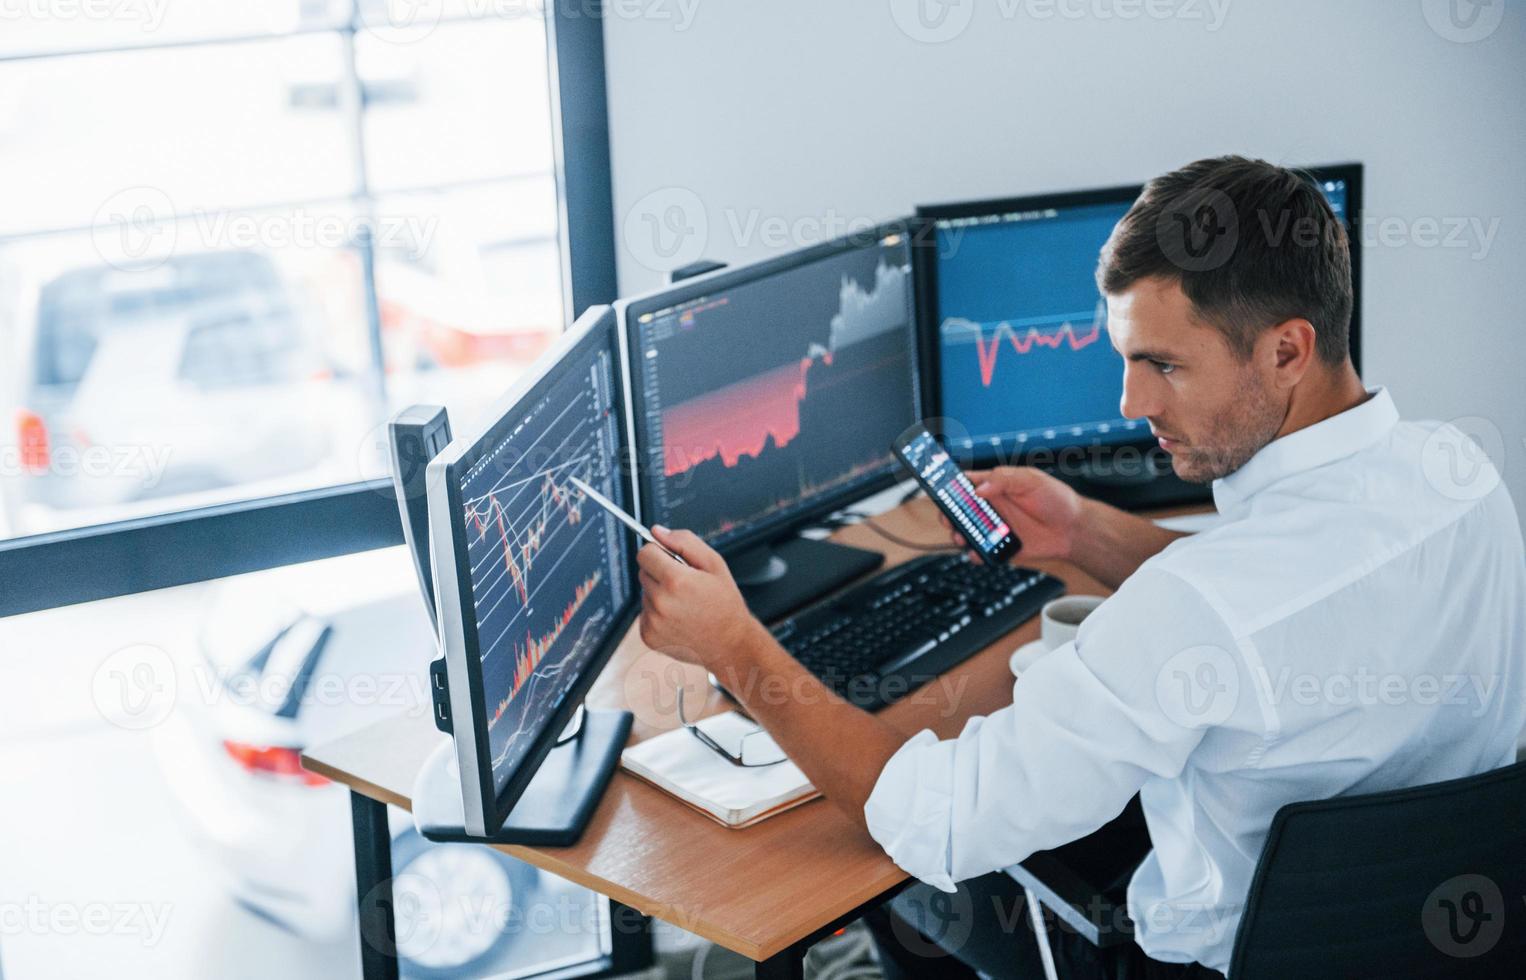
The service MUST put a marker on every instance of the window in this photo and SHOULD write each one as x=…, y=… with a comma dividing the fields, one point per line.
x=237, y=236
x=159, y=734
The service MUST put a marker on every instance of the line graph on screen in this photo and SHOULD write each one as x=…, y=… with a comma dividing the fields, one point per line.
x=1026, y=335
x=764, y=410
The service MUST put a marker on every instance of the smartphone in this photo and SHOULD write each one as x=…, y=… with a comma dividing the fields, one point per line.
x=955, y=495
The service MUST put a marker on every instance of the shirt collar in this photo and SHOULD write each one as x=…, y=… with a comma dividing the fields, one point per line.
x=1323, y=442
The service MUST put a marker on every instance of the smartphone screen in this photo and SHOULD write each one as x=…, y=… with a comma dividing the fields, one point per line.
x=952, y=491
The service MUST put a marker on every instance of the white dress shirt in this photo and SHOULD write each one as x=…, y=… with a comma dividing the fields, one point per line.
x=1356, y=622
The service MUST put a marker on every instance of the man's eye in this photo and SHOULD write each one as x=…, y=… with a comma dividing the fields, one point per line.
x=1163, y=367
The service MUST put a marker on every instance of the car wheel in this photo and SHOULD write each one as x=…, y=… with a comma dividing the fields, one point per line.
x=451, y=903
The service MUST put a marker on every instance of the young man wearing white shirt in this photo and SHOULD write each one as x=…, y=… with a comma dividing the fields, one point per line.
x=1355, y=622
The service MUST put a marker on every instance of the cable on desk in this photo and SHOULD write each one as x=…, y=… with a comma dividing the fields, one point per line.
x=873, y=525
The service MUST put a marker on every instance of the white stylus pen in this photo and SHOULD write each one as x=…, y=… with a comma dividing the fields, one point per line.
x=626, y=519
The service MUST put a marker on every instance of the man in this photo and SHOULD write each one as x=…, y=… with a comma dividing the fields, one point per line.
x=1355, y=622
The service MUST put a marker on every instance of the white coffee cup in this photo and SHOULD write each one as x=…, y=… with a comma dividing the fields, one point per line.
x=1059, y=621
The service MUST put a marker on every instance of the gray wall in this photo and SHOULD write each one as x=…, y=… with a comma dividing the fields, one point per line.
x=740, y=129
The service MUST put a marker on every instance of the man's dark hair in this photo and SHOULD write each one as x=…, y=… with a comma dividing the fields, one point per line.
x=1251, y=244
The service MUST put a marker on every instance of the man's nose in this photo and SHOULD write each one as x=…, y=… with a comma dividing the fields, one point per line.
x=1138, y=399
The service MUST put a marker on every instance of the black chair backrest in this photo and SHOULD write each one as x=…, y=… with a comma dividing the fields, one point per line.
x=1421, y=882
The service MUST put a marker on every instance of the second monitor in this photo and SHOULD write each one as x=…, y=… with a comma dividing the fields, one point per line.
x=766, y=397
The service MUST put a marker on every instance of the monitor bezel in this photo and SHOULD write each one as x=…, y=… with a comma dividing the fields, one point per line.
x=485, y=808
x=926, y=278
x=1351, y=173
x=775, y=529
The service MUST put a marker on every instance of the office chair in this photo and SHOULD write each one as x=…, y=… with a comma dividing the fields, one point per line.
x=1422, y=882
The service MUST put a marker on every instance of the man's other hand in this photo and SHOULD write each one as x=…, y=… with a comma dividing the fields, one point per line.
x=1043, y=511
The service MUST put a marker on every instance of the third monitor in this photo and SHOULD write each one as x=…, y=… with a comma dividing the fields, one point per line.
x=1018, y=365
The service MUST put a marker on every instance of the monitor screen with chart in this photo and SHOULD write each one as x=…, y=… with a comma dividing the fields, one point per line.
x=770, y=394
x=1023, y=358
x=537, y=583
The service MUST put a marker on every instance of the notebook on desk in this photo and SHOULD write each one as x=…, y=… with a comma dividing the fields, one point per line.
x=684, y=767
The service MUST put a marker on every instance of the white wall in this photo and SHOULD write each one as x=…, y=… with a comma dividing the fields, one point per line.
x=755, y=126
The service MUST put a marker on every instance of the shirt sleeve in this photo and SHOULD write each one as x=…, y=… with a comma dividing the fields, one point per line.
x=1090, y=723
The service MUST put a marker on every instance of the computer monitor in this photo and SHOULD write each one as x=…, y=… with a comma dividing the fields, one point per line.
x=1017, y=331
x=1017, y=360
x=535, y=585
x=767, y=396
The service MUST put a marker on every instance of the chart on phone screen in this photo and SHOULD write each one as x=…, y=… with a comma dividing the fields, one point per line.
x=547, y=564
x=975, y=516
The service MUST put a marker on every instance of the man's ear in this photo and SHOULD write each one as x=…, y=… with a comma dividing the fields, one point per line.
x=1292, y=345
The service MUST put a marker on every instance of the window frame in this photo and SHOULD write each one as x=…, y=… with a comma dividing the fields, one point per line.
x=181, y=547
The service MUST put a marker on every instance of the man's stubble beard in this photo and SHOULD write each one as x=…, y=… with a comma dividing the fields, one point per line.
x=1250, y=421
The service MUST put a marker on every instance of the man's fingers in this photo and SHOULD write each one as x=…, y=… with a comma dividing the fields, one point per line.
x=1013, y=480
x=655, y=563
x=691, y=548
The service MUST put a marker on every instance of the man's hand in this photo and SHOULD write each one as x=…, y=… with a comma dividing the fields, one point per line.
x=1056, y=522
x=1043, y=511
x=695, y=614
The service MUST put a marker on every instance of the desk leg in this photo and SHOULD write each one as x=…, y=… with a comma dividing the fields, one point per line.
x=787, y=964
x=373, y=888
x=630, y=935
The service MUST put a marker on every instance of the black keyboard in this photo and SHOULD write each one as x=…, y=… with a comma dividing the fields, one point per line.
x=885, y=637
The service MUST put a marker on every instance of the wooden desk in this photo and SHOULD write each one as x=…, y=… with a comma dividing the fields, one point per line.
x=766, y=892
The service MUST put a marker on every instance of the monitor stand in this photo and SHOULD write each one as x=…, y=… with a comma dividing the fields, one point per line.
x=779, y=578
x=557, y=805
